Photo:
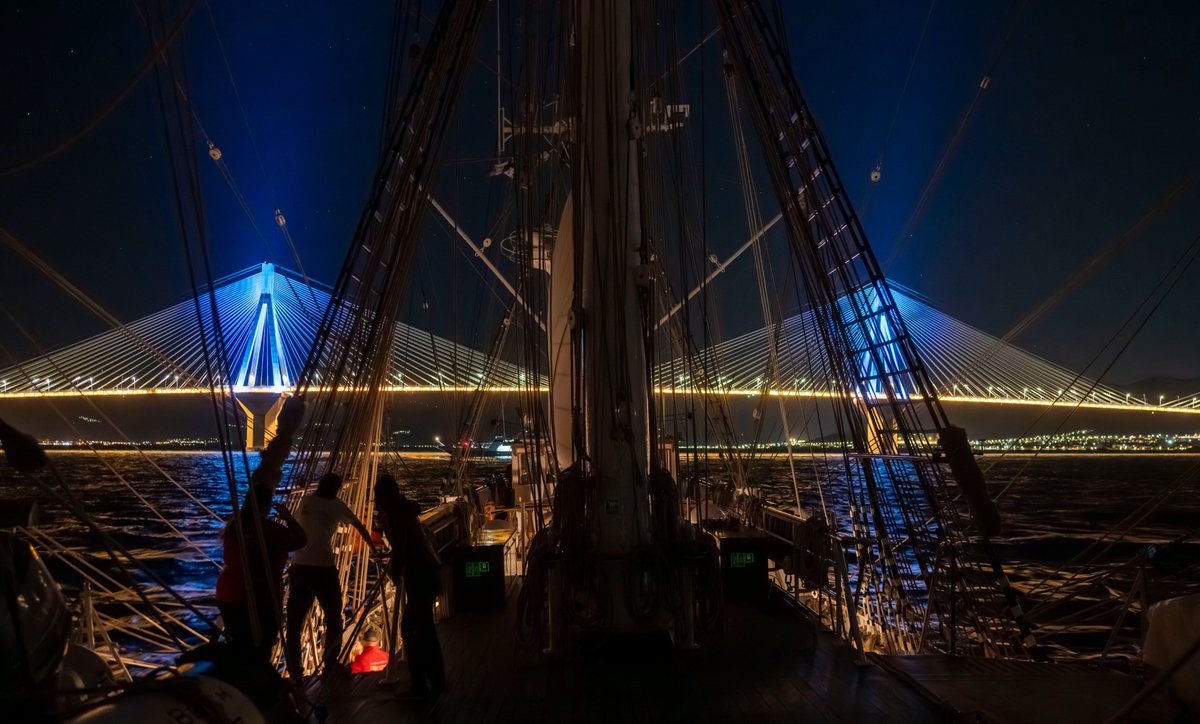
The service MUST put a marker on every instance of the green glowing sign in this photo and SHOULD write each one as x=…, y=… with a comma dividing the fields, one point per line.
x=475, y=569
x=741, y=560
x=612, y=507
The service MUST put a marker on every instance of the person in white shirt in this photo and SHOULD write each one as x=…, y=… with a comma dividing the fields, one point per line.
x=314, y=574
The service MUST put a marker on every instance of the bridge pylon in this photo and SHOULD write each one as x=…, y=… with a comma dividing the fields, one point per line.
x=262, y=415
x=263, y=371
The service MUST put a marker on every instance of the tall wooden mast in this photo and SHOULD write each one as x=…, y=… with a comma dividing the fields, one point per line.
x=613, y=415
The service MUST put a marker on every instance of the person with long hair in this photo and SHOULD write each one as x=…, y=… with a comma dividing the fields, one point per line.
x=416, y=569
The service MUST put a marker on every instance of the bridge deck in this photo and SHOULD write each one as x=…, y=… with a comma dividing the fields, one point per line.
x=761, y=666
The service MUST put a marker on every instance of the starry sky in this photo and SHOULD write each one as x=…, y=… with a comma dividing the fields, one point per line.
x=988, y=200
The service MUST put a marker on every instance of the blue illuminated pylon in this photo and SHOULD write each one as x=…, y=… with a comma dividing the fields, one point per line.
x=263, y=365
x=882, y=340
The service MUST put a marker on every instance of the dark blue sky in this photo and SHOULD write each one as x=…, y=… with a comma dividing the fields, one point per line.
x=1092, y=113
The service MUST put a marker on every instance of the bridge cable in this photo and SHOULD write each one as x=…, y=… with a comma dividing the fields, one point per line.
x=1178, y=269
x=171, y=78
x=89, y=303
x=1139, y=514
x=118, y=326
x=105, y=463
x=1081, y=274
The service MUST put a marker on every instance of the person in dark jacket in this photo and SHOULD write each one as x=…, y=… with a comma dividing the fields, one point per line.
x=416, y=568
x=245, y=544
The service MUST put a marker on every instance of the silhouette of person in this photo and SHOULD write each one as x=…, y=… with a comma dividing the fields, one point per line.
x=256, y=550
x=416, y=566
x=21, y=450
x=314, y=574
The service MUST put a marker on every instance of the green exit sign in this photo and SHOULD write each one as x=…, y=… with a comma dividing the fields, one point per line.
x=475, y=569
x=612, y=507
x=741, y=560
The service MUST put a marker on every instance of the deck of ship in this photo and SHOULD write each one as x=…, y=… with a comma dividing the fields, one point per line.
x=762, y=665
x=1028, y=692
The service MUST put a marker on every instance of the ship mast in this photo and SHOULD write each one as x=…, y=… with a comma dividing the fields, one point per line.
x=612, y=418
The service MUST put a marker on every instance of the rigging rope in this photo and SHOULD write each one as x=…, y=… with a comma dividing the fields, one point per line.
x=888, y=402
x=237, y=97
x=1111, y=537
x=176, y=117
x=141, y=498
x=887, y=136
x=218, y=158
x=1093, y=265
x=905, y=235
x=115, y=550
x=156, y=54
x=1178, y=270
x=346, y=369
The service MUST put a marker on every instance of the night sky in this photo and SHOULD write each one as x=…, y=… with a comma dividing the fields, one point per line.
x=1091, y=116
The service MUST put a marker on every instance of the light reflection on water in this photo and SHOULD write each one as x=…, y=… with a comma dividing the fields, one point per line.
x=1057, y=507
x=1054, y=507
x=118, y=511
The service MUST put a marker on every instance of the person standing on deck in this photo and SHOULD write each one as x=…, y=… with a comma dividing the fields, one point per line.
x=245, y=541
x=415, y=562
x=314, y=573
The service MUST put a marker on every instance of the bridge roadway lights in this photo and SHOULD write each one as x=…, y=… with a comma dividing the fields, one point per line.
x=262, y=415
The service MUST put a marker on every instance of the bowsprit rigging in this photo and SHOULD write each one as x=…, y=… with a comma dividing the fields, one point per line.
x=622, y=380
x=910, y=539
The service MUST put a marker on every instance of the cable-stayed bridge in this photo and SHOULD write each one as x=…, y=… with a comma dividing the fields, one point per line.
x=268, y=323
x=269, y=318
x=964, y=363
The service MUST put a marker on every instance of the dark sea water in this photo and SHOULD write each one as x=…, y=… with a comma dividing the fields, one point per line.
x=170, y=530
x=1054, y=507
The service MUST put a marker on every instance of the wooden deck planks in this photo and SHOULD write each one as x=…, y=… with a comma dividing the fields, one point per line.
x=762, y=666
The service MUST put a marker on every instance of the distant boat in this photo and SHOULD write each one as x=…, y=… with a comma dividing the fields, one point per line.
x=499, y=447
x=905, y=573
